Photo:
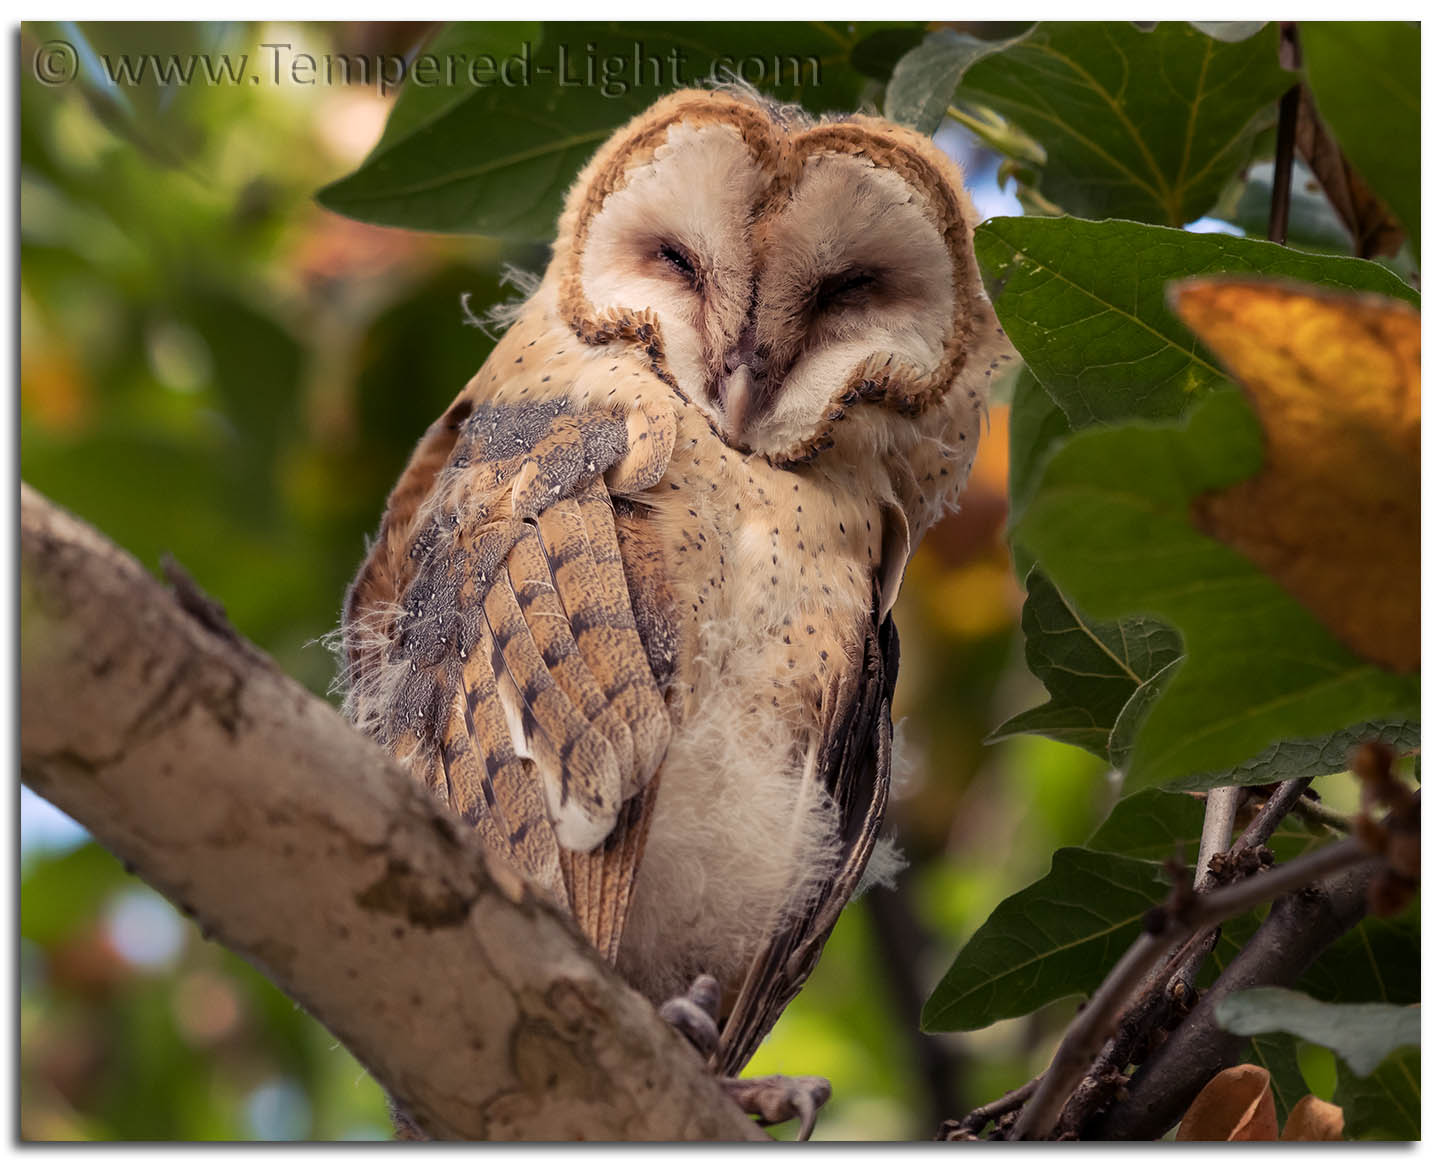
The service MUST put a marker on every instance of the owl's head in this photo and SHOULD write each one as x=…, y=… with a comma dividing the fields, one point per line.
x=803, y=284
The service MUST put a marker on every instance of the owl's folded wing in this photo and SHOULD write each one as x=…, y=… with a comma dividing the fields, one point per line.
x=492, y=643
x=855, y=768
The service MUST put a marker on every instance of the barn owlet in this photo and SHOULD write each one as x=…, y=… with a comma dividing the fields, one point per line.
x=628, y=608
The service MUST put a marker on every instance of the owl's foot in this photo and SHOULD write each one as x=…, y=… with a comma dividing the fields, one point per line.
x=695, y=1014
x=777, y=1098
x=770, y=1100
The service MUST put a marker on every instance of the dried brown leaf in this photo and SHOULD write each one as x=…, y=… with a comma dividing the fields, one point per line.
x=1313, y=1120
x=1335, y=514
x=1235, y=1106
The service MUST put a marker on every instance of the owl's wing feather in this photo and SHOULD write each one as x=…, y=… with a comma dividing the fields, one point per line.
x=855, y=768
x=510, y=669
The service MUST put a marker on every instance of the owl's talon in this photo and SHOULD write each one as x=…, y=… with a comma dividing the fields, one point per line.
x=694, y=1015
x=775, y=1099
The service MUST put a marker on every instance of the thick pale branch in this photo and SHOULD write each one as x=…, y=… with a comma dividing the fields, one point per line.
x=300, y=845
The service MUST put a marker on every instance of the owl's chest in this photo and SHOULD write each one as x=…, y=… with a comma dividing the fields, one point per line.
x=769, y=585
x=762, y=562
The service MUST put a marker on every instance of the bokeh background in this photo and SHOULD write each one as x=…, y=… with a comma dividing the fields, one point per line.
x=213, y=366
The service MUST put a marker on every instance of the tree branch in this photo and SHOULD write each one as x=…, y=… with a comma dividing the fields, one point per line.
x=1087, y=1035
x=300, y=845
x=1217, y=824
x=1298, y=928
x=1291, y=58
x=1270, y=815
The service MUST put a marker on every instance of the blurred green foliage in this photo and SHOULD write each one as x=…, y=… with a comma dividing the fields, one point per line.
x=215, y=366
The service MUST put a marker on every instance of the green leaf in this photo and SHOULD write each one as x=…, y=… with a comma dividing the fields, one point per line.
x=1036, y=427
x=1388, y=1104
x=1134, y=713
x=1141, y=125
x=877, y=53
x=1089, y=668
x=498, y=159
x=1361, y=1035
x=1297, y=758
x=1084, y=303
x=1378, y=960
x=1057, y=938
x=1367, y=78
x=1111, y=520
x=1153, y=825
x=920, y=88
x=457, y=49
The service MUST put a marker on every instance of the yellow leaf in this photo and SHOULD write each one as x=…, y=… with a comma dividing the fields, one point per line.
x=1313, y=1120
x=1235, y=1106
x=1335, y=515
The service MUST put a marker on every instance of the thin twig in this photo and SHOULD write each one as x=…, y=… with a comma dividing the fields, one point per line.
x=992, y=1111
x=1272, y=812
x=1191, y=958
x=1312, y=811
x=1287, y=109
x=1217, y=824
x=1089, y=1032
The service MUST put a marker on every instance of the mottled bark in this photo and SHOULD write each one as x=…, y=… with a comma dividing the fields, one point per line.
x=299, y=844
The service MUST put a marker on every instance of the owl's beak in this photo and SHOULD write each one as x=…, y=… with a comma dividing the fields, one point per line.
x=734, y=398
x=735, y=387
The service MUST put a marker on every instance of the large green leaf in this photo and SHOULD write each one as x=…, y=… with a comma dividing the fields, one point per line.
x=463, y=52
x=1378, y=960
x=1084, y=303
x=498, y=158
x=1153, y=825
x=1143, y=125
x=1367, y=78
x=921, y=86
x=1361, y=1035
x=1035, y=427
x=1091, y=669
x=1111, y=520
x=1057, y=938
x=1386, y=1105
x=1298, y=758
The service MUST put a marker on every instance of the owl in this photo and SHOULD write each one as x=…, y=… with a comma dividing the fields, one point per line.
x=629, y=608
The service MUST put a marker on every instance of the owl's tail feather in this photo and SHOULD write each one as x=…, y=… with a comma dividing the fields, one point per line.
x=601, y=881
